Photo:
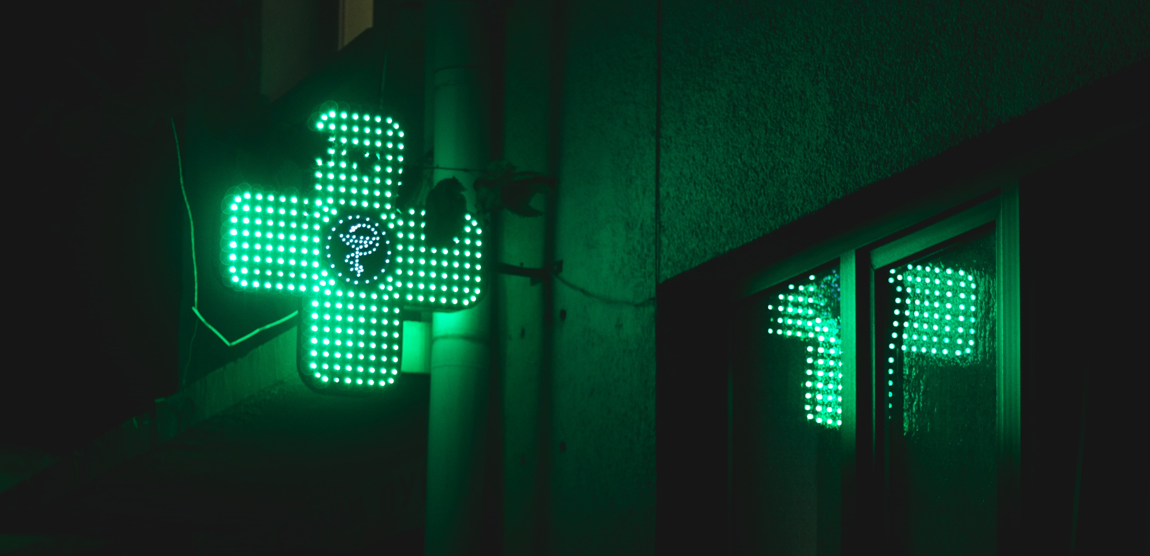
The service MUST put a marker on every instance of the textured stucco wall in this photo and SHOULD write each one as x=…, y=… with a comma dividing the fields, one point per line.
x=773, y=109
x=602, y=483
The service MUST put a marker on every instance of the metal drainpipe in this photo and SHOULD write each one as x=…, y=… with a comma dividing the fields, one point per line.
x=460, y=352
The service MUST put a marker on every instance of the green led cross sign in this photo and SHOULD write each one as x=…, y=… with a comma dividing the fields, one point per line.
x=935, y=309
x=808, y=312
x=354, y=258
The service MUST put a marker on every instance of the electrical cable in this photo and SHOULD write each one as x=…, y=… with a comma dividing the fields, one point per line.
x=195, y=270
x=603, y=298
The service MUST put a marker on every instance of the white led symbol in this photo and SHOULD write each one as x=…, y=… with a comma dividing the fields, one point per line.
x=361, y=245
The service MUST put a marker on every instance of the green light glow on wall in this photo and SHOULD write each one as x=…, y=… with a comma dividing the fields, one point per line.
x=354, y=258
x=808, y=312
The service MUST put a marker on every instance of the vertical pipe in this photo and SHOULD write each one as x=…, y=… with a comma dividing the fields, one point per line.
x=460, y=354
x=523, y=335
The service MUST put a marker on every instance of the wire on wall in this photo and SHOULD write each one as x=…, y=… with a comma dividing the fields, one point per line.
x=195, y=271
x=603, y=298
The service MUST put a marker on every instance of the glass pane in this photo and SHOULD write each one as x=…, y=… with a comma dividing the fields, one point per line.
x=785, y=412
x=939, y=345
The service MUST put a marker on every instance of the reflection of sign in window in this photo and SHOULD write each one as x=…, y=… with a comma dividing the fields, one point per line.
x=809, y=312
x=356, y=259
x=935, y=309
x=939, y=343
x=941, y=324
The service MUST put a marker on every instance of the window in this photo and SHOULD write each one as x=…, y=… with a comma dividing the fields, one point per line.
x=937, y=367
x=932, y=439
x=945, y=392
x=787, y=404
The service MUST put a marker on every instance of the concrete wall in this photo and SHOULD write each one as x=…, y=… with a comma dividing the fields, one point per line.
x=769, y=111
x=579, y=404
x=603, y=478
x=773, y=109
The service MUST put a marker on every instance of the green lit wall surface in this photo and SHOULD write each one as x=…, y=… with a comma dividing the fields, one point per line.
x=355, y=259
x=808, y=312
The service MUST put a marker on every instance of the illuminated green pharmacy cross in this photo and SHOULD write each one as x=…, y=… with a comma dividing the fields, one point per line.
x=354, y=258
x=808, y=313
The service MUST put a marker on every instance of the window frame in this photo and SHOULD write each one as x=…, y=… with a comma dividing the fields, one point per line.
x=1001, y=210
x=865, y=465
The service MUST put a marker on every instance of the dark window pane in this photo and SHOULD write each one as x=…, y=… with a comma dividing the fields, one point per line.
x=786, y=399
x=939, y=344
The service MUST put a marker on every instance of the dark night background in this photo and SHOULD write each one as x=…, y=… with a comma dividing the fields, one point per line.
x=691, y=141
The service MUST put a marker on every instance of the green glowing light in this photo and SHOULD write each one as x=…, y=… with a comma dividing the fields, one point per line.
x=338, y=252
x=934, y=315
x=928, y=315
x=816, y=301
